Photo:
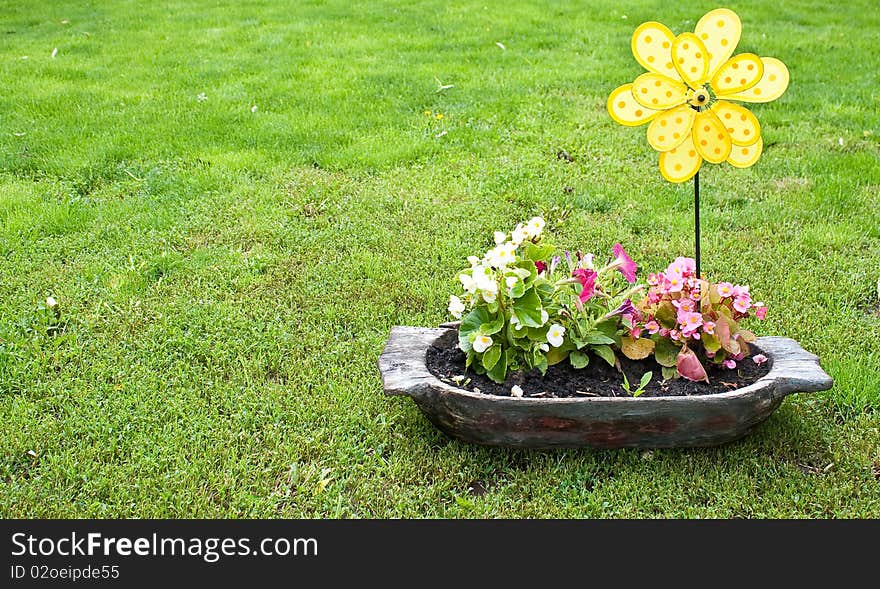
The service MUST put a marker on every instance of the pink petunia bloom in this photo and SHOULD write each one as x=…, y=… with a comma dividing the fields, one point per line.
x=725, y=289
x=729, y=364
x=588, y=281
x=759, y=359
x=652, y=326
x=742, y=303
x=541, y=266
x=624, y=263
x=709, y=327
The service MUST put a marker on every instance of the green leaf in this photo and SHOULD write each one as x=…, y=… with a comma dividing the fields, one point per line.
x=666, y=351
x=669, y=372
x=578, y=359
x=606, y=353
x=537, y=253
x=597, y=338
x=499, y=371
x=607, y=327
x=518, y=290
x=470, y=324
x=711, y=343
x=492, y=327
x=666, y=315
x=491, y=356
x=646, y=378
x=557, y=355
x=527, y=309
x=543, y=288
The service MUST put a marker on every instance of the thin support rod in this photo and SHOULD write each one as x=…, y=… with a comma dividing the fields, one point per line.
x=697, y=221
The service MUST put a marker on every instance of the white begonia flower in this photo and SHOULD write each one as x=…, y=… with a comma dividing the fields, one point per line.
x=518, y=235
x=482, y=343
x=473, y=260
x=484, y=278
x=499, y=236
x=468, y=283
x=554, y=335
x=535, y=226
x=456, y=307
x=515, y=322
x=544, y=316
x=511, y=281
x=489, y=297
x=544, y=348
x=503, y=255
x=516, y=391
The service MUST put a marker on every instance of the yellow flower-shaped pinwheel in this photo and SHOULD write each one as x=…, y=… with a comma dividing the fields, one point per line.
x=687, y=91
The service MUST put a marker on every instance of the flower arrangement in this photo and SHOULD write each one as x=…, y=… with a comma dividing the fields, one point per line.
x=525, y=305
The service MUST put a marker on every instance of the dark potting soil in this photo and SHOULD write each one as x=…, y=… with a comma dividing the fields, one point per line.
x=597, y=379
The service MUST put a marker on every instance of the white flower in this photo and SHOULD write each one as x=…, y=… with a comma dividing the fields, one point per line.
x=511, y=281
x=554, y=335
x=535, y=226
x=499, y=236
x=544, y=316
x=544, y=348
x=473, y=260
x=484, y=278
x=456, y=307
x=489, y=297
x=468, y=283
x=515, y=322
x=482, y=343
x=502, y=255
x=518, y=235
x=516, y=391
x=51, y=302
x=587, y=262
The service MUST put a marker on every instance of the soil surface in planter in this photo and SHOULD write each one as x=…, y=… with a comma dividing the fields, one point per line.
x=598, y=379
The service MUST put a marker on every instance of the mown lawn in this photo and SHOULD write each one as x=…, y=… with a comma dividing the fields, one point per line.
x=228, y=266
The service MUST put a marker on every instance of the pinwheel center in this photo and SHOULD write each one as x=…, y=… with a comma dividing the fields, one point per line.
x=700, y=98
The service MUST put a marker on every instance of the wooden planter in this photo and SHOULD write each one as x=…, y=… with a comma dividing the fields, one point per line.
x=600, y=422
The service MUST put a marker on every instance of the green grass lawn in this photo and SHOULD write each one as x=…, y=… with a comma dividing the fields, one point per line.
x=228, y=267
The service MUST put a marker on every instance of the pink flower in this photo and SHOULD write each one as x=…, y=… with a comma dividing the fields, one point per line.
x=654, y=297
x=729, y=364
x=655, y=279
x=740, y=290
x=709, y=327
x=710, y=354
x=664, y=332
x=689, y=322
x=635, y=332
x=684, y=305
x=674, y=334
x=759, y=359
x=624, y=263
x=725, y=289
x=682, y=266
x=674, y=283
x=588, y=281
x=541, y=266
x=742, y=303
x=652, y=327
x=760, y=311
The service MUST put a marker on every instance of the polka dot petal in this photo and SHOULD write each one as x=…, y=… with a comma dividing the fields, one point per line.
x=651, y=45
x=771, y=86
x=671, y=128
x=681, y=163
x=711, y=138
x=742, y=125
x=744, y=156
x=719, y=30
x=624, y=109
x=658, y=92
x=738, y=74
x=691, y=59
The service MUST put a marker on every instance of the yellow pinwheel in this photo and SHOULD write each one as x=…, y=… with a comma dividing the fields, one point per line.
x=687, y=91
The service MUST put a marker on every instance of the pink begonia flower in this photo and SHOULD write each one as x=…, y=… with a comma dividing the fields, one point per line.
x=541, y=266
x=588, y=281
x=742, y=303
x=652, y=327
x=729, y=364
x=739, y=291
x=664, y=332
x=725, y=289
x=654, y=297
x=674, y=334
x=684, y=305
x=682, y=266
x=655, y=279
x=624, y=263
x=674, y=283
x=738, y=356
x=635, y=332
x=709, y=327
x=694, y=334
x=759, y=359
x=689, y=322
x=760, y=311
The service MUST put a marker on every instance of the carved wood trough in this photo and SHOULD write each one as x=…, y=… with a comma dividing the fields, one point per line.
x=599, y=422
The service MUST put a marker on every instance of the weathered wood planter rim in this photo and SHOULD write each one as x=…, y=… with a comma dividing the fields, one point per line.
x=608, y=422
